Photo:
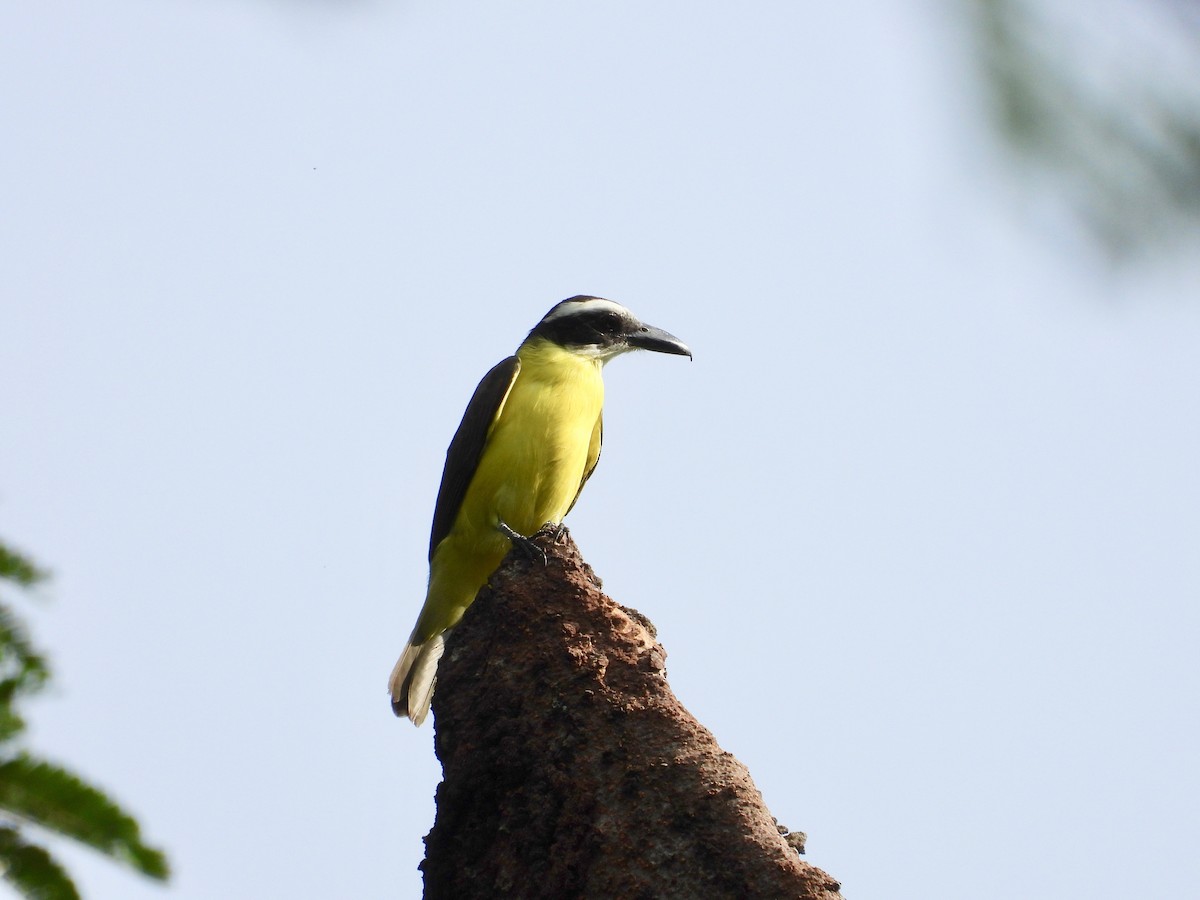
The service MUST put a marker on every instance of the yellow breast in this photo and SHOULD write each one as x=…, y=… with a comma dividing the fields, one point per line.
x=537, y=450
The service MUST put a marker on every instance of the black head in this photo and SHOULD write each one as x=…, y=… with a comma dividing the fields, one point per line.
x=593, y=326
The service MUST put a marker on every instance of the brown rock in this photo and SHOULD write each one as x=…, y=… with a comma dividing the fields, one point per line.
x=570, y=769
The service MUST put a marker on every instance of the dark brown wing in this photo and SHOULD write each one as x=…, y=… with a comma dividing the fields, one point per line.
x=593, y=458
x=462, y=457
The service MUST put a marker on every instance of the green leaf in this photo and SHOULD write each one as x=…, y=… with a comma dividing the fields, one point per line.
x=33, y=871
x=22, y=668
x=57, y=799
x=22, y=671
x=17, y=568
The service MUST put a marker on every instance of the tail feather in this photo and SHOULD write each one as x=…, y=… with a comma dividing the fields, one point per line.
x=414, y=676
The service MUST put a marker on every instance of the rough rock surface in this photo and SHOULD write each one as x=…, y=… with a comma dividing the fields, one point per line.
x=570, y=769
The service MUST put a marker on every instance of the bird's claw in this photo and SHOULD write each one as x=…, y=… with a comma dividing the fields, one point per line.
x=527, y=546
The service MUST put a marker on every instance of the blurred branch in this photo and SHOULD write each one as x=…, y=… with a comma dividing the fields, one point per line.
x=1104, y=101
x=33, y=791
x=17, y=568
x=55, y=798
x=33, y=871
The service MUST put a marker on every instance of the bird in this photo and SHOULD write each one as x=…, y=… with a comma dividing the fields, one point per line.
x=528, y=442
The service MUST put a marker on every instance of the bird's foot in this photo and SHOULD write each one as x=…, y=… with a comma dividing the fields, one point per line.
x=557, y=532
x=526, y=545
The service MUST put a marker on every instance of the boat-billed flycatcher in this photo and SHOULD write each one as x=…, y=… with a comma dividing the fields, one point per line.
x=528, y=442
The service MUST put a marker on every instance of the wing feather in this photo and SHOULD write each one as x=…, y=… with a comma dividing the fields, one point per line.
x=462, y=457
x=593, y=458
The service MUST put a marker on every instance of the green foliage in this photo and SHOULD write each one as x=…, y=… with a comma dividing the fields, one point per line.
x=36, y=792
x=22, y=671
x=1103, y=107
x=54, y=798
x=33, y=871
x=18, y=569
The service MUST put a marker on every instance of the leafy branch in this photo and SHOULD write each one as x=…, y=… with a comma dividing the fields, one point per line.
x=36, y=792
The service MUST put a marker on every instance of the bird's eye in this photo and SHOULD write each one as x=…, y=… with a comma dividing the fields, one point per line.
x=611, y=321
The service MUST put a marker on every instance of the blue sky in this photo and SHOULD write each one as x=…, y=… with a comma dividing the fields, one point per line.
x=918, y=527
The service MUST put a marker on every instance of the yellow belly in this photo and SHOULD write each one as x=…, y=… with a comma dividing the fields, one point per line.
x=536, y=455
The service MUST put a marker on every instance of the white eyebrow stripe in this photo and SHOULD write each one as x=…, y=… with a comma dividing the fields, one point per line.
x=579, y=307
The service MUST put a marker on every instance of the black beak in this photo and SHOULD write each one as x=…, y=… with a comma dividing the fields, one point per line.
x=647, y=337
